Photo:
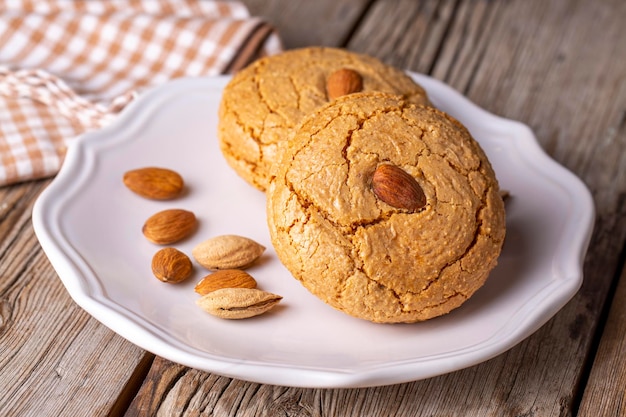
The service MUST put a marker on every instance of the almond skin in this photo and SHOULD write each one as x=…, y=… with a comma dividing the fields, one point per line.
x=397, y=188
x=238, y=303
x=342, y=82
x=154, y=183
x=171, y=265
x=169, y=226
x=227, y=252
x=226, y=278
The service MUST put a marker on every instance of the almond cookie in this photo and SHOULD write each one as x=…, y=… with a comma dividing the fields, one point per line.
x=264, y=102
x=385, y=210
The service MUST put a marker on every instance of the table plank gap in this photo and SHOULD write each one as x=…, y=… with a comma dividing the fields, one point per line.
x=356, y=24
x=415, y=38
x=604, y=392
x=134, y=383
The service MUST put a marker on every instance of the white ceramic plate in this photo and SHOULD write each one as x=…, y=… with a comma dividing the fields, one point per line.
x=89, y=225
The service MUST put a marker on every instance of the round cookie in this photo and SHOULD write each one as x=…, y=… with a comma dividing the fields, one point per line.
x=265, y=101
x=362, y=251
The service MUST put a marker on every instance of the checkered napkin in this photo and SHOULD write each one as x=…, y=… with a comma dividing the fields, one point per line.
x=68, y=66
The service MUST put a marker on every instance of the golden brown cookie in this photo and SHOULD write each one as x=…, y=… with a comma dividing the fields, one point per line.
x=345, y=215
x=263, y=103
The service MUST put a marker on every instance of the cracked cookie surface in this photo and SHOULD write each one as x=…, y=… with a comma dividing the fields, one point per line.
x=264, y=102
x=363, y=256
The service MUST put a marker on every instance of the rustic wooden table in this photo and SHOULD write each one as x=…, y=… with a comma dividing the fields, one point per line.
x=558, y=66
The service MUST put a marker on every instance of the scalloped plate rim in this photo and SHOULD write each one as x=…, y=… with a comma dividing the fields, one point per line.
x=72, y=268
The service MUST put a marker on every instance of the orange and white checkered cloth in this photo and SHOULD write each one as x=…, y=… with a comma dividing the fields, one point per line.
x=68, y=66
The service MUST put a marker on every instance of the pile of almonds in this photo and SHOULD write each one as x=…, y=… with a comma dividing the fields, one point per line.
x=227, y=292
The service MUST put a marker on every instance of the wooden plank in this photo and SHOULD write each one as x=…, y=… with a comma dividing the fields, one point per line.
x=605, y=393
x=56, y=355
x=405, y=33
x=554, y=65
x=307, y=23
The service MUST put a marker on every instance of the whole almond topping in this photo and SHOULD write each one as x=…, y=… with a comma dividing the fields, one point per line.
x=397, y=188
x=169, y=226
x=225, y=278
x=227, y=252
x=342, y=82
x=238, y=303
x=171, y=265
x=154, y=183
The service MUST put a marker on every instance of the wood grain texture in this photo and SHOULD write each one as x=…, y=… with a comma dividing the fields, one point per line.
x=304, y=23
x=61, y=361
x=605, y=393
x=509, y=57
x=558, y=66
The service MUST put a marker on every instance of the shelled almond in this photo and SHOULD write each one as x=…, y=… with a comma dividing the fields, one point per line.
x=169, y=226
x=171, y=265
x=225, y=278
x=154, y=182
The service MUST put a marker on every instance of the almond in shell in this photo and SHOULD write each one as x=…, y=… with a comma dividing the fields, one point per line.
x=238, y=303
x=227, y=252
